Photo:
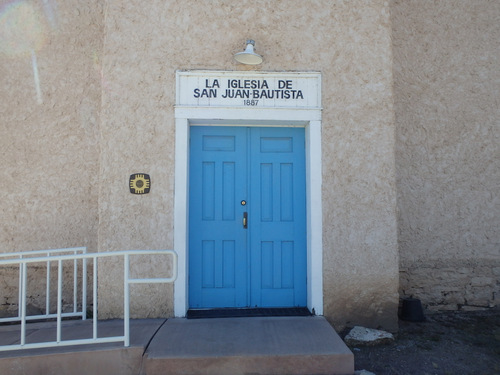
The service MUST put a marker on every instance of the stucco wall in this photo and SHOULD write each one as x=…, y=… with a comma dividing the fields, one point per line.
x=348, y=42
x=447, y=90
x=101, y=107
x=360, y=250
x=66, y=160
x=49, y=116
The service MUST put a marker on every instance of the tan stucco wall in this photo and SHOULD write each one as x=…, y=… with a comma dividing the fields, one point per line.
x=105, y=109
x=49, y=142
x=107, y=90
x=447, y=90
x=360, y=252
x=348, y=42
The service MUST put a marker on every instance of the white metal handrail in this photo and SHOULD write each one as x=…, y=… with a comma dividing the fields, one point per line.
x=47, y=257
x=23, y=262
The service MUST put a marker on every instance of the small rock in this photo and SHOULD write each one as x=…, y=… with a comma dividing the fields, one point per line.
x=368, y=337
x=363, y=372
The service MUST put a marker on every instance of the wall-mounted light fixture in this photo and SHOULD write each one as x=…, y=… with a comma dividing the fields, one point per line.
x=248, y=56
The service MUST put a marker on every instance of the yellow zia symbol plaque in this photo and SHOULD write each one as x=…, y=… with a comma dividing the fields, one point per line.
x=139, y=183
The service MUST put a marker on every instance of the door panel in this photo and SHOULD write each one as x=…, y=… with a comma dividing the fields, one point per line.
x=278, y=239
x=263, y=265
x=217, y=245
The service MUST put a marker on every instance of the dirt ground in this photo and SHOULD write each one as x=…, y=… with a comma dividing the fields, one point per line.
x=447, y=343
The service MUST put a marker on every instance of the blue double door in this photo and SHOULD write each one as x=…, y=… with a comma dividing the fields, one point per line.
x=247, y=217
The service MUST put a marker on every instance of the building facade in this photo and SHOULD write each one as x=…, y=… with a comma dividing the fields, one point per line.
x=397, y=181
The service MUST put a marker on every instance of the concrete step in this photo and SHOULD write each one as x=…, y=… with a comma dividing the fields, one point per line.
x=257, y=345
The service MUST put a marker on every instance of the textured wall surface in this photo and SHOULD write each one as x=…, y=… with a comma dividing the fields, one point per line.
x=349, y=42
x=447, y=90
x=101, y=107
x=49, y=115
x=88, y=93
x=360, y=252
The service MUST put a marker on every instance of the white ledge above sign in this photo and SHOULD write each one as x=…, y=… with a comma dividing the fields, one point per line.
x=248, y=89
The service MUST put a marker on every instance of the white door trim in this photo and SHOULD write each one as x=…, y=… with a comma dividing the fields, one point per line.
x=310, y=119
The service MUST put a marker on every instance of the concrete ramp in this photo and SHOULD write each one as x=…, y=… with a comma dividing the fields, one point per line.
x=258, y=345
x=95, y=359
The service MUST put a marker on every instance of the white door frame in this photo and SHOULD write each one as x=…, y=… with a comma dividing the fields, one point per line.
x=310, y=119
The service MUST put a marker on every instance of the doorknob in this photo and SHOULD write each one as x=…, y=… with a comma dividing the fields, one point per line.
x=245, y=220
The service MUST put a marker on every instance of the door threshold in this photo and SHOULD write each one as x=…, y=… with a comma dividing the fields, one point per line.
x=247, y=312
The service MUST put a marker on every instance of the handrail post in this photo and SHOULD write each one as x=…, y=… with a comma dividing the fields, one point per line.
x=75, y=284
x=126, y=301
x=84, y=289
x=47, y=290
x=20, y=291
x=23, y=303
x=59, y=299
x=94, y=296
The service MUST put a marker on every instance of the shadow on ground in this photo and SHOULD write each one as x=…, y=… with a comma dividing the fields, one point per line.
x=447, y=343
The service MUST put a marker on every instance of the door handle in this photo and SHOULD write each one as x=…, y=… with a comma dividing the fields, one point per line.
x=245, y=220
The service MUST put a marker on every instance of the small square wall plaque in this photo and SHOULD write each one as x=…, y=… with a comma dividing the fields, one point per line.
x=139, y=183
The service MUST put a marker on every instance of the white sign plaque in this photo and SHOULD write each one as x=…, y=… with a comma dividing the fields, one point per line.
x=248, y=89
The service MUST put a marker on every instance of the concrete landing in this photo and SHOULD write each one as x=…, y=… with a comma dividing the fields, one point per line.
x=95, y=359
x=232, y=346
